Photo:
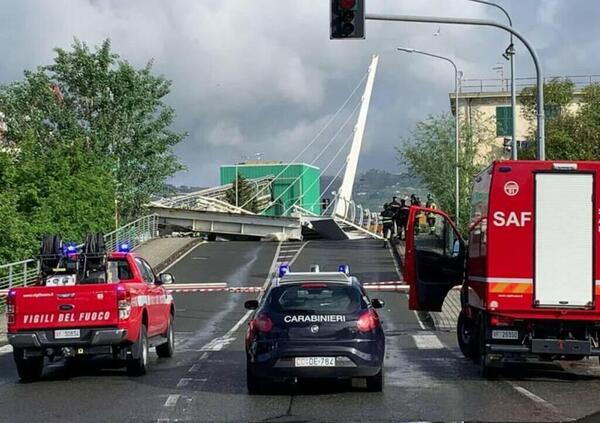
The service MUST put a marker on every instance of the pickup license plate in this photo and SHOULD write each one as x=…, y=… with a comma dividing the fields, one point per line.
x=315, y=362
x=67, y=333
x=505, y=334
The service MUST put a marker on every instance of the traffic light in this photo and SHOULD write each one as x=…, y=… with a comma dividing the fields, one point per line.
x=347, y=19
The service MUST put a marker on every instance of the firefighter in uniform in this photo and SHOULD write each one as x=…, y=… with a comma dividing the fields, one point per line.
x=395, y=207
x=387, y=218
x=402, y=219
x=431, y=216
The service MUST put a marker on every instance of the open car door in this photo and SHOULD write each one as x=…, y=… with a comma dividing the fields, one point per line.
x=434, y=260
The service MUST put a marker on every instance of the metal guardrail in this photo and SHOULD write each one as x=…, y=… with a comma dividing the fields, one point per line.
x=25, y=272
x=355, y=216
x=503, y=84
x=213, y=199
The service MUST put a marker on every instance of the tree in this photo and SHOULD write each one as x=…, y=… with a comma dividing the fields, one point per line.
x=116, y=110
x=81, y=132
x=245, y=194
x=429, y=153
x=571, y=134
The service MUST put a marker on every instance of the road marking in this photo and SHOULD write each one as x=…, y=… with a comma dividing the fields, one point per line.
x=183, y=382
x=427, y=342
x=6, y=349
x=172, y=400
x=182, y=256
x=396, y=267
x=271, y=270
x=538, y=400
x=419, y=320
x=222, y=342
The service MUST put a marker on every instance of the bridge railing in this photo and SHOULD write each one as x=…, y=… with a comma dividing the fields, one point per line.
x=25, y=272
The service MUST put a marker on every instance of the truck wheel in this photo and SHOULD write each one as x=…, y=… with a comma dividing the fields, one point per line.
x=138, y=366
x=255, y=385
x=466, y=337
x=167, y=349
x=29, y=369
x=375, y=383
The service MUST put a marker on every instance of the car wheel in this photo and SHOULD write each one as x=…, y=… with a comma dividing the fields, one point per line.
x=137, y=366
x=375, y=383
x=167, y=349
x=256, y=385
x=29, y=369
x=465, y=335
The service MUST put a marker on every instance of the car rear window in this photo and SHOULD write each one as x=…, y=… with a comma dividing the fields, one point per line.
x=316, y=298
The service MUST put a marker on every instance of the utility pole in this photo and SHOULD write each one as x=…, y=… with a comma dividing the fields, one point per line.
x=541, y=150
x=456, y=126
x=509, y=54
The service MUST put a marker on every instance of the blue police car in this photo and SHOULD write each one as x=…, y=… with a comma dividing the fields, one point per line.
x=314, y=325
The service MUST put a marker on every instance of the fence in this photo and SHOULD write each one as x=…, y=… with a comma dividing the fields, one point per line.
x=26, y=272
x=503, y=84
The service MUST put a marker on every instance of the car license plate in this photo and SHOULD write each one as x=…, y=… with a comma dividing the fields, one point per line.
x=315, y=361
x=67, y=333
x=505, y=334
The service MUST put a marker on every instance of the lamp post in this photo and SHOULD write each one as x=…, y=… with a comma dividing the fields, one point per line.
x=456, y=123
x=509, y=54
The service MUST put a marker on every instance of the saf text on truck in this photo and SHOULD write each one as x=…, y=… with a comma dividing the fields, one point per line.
x=530, y=271
x=89, y=302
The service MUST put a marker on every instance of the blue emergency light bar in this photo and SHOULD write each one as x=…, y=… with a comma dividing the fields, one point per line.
x=69, y=248
x=124, y=247
x=283, y=269
x=344, y=268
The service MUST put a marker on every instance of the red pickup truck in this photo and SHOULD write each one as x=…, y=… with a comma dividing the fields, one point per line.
x=119, y=308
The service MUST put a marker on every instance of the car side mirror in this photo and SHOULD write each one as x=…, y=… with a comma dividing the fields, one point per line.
x=251, y=304
x=377, y=303
x=165, y=278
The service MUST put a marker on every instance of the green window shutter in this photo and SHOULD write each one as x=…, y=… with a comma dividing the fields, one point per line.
x=503, y=121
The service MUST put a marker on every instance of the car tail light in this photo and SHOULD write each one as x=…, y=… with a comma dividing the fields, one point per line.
x=10, y=307
x=501, y=321
x=367, y=321
x=262, y=323
x=124, y=303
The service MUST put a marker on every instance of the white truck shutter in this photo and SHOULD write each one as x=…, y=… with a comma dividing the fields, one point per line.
x=564, y=241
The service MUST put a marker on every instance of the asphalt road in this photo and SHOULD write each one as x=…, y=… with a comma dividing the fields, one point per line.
x=426, y=377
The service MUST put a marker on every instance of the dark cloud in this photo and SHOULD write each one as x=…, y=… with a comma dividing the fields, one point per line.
x=263, y=76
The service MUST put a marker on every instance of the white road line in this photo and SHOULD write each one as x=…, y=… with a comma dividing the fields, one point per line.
x=6, y=349
x=398, y=272
x=182, y=256
x=419, y=320
x=172, y=400
x=271, y=270
x=183, y=382
x=222, y=342
x=427, y=342
x=298, y=252
x=194, y=368
x=533, y=397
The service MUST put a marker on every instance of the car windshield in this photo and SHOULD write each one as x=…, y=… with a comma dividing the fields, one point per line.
x=316, y=299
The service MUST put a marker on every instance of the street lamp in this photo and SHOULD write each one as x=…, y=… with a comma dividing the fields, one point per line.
x=456, y=129
x=509, y=54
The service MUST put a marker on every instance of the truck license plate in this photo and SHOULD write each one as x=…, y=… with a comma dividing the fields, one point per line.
x=315, y=361
x=67, y=333
x=505, y=334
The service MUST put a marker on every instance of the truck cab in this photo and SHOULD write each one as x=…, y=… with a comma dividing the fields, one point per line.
x=528, y=270
x=89, y=302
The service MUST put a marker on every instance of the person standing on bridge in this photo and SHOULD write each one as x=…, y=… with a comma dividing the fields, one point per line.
x=402, y=219
x=395, y=207
x=387, y=218
x=430, y=204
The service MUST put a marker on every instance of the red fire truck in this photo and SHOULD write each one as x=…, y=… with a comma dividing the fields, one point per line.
x=530, y=270
x=89, y=302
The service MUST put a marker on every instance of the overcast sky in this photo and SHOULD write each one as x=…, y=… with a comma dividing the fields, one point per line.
x=254, y=76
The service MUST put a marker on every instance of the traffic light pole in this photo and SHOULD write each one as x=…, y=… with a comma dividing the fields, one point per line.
x=541, y=151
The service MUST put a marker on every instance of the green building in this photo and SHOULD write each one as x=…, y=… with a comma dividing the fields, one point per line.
x=299, y=183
